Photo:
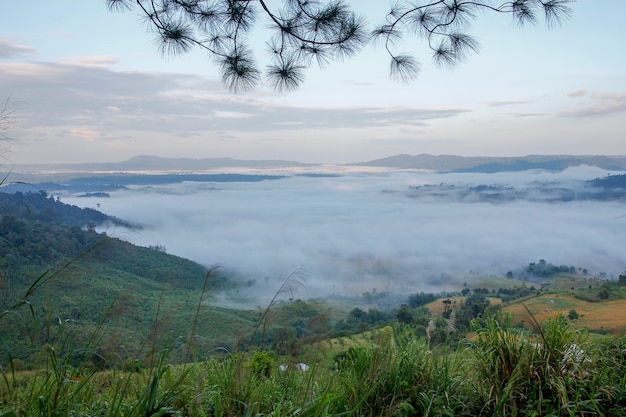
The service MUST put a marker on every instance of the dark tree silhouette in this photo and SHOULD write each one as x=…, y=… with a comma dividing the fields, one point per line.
x=305, y=32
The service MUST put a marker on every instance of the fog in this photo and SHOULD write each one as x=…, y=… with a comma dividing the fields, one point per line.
x=360, y=231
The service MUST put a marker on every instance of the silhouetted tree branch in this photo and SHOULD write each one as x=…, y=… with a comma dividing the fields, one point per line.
x=320, y=31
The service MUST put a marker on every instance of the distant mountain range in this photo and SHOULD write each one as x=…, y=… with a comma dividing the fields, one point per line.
x=156, y=163
x=445, y=163
x=497, y=164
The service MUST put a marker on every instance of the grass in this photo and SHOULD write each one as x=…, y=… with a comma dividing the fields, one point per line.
x=551, y=368
x=325, y=351
x=502, y=372
x=608, y=316
x=567, y=281
x=128, y=306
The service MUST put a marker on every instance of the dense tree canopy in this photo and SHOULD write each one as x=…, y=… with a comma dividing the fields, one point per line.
x=307, y=32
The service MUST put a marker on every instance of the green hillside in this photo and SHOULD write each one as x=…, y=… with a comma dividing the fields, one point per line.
x=86, y=279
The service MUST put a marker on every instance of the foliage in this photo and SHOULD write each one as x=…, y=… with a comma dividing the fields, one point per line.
x=502, y=371
x=40, y=206
x=262, y=363
x=421, y=299
x=607, y=291
x=90, y=277
x=572, y=315
x=307, y=32
x=521, y=374
x=359, y=321
x=62, y=358
x=510, y=294
x=546, y=269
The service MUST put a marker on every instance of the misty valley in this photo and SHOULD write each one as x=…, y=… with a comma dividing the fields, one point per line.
x=269, y=271
x=358, y=230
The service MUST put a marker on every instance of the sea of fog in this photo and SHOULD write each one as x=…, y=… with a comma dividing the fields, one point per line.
x=359, y=231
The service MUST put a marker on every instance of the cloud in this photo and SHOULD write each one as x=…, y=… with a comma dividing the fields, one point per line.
x=92, y=61
x=84, y=133
x=11, y=50
x=231, y=115
x=84, y=90
x=619, y=97
x=578, y=93
x=112, y=109
x=602, y=104
x=366, y=230
x=507, y=103
x=528, y=114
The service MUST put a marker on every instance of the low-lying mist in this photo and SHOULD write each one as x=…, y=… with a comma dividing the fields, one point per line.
x=357, y=232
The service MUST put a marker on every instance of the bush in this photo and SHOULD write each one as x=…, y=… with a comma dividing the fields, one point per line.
x=262, y=363
x=572, y=315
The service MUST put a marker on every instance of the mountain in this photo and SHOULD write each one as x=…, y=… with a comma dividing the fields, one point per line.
x=97, y=179
x=484, y=164
x=155, y=163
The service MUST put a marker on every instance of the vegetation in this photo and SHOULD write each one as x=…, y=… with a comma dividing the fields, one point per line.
x=39, y=206
x=53, y=260
x=307, y=32
x=501, y=371
x=91, y=325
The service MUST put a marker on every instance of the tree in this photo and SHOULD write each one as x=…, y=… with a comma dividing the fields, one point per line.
x=420, y=299
x=305, y=32
x=7, y=121
x=404, y=314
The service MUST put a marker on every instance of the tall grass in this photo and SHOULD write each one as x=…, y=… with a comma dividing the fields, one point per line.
x=401, y=378
x=501, y=373
x=550, y=370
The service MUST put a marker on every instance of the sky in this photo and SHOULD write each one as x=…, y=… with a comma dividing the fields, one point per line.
x=89, y=85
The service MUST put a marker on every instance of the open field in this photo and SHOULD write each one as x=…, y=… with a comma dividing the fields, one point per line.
x=566, y=281
x=609, y=316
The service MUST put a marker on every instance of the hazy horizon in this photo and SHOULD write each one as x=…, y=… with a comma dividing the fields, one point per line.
x=322, y=162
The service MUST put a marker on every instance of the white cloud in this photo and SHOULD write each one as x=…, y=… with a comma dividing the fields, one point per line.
x=11, y=50
x=91, y=61
x=601, y=104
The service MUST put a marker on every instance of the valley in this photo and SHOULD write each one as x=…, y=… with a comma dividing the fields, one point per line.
x=255, y=271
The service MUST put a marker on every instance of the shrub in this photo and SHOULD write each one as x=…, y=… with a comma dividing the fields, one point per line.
x=572, y=315
x=262, y=363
